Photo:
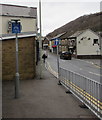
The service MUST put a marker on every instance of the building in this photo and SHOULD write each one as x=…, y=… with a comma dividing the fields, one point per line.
x=27, y=66
x=45, y=43
x=84, y=44
x=27, y=16
x=26, y=41
x=52, y=43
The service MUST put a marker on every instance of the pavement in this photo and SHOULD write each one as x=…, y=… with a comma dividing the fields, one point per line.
x=42, y=98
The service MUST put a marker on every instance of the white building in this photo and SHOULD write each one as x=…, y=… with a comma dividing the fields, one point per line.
x=87, y=44
x=27, y=16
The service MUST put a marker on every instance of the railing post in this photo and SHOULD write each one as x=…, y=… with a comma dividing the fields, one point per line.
x=69, y=91
x=100, y=98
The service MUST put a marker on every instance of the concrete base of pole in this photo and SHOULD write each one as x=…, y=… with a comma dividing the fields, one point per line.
x=59, y=83
x=83, y=106
x=17, y=85
x=68, y=92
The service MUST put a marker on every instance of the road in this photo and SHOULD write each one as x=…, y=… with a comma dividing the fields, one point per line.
x=76, y=65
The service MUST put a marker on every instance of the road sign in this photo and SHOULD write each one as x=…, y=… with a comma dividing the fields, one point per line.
x=56, y=41
x=16, y=27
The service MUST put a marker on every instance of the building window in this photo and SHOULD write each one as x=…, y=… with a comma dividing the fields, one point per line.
x=89, y=38
x=95, y=41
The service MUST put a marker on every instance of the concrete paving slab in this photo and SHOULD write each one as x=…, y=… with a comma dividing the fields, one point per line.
x=41, y=98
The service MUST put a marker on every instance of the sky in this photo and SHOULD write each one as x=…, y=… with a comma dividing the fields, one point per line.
x=56, y=13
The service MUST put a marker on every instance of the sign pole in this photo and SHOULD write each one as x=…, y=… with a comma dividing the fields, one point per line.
x=16, y=28
x=17, y=70
x=58, y=60
x=57, y=43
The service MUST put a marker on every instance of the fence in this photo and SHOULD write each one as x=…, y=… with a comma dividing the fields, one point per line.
x=85, y=89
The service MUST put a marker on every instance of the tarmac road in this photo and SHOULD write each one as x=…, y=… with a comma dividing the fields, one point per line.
x=76, y=65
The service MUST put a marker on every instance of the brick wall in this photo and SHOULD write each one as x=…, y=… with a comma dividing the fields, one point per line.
x=26, y=56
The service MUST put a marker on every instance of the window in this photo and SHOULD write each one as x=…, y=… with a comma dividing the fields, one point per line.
x=78, y=41
x=95, y=41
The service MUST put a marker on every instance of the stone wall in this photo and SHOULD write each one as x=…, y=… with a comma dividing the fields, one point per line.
x=27, y=67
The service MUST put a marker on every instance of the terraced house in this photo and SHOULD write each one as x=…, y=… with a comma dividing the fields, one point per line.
x=83, y=44
x=26, y=41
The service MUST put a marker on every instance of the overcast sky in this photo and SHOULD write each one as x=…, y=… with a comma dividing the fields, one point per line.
x=56, y=13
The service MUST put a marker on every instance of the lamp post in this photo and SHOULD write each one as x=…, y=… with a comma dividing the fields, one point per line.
x=40, y=39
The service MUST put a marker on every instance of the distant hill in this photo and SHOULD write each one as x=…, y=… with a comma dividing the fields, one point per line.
x=91, y=21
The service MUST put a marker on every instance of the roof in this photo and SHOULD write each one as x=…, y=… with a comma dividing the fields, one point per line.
x=76, y=34
x=20, y=35
x=18, y=11
x=99, y=33
x=58, y=36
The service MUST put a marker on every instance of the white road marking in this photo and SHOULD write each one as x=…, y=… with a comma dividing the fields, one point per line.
x=48, y=66
x=95, y=74
x=96, y=65
x=56, y=74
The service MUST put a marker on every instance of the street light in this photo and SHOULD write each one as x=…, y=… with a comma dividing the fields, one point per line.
x=40, y=46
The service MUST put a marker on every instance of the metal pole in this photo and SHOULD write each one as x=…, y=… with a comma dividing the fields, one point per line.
x=17, y=71
x=40, y=46
x=59, y=83
x=58, y=61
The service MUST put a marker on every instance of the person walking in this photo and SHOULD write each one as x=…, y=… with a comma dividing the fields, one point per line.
x=44, y=56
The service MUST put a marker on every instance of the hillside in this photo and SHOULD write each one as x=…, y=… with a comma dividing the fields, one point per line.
x=91, y=21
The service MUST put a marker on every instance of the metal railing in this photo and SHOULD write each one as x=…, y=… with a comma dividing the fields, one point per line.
x=85, y=89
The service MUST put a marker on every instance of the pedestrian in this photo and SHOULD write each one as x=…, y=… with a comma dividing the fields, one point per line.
x=44, y=56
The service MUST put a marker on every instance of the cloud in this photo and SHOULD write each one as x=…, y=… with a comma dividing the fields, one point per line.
x=56, y=13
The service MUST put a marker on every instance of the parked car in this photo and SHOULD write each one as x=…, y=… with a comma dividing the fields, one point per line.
x=66, y=55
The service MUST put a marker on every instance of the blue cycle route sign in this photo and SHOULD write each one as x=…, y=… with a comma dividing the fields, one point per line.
x=56, y=41
x=16, y=27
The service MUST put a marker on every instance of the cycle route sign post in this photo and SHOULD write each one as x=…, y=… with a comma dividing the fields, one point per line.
x=57, y=44
x=16, y=28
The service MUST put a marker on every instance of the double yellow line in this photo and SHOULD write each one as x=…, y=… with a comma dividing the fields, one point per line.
x=87, y=96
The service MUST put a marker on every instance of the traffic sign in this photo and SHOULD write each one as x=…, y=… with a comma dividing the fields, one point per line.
x=56, y=41
x=16, y=27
